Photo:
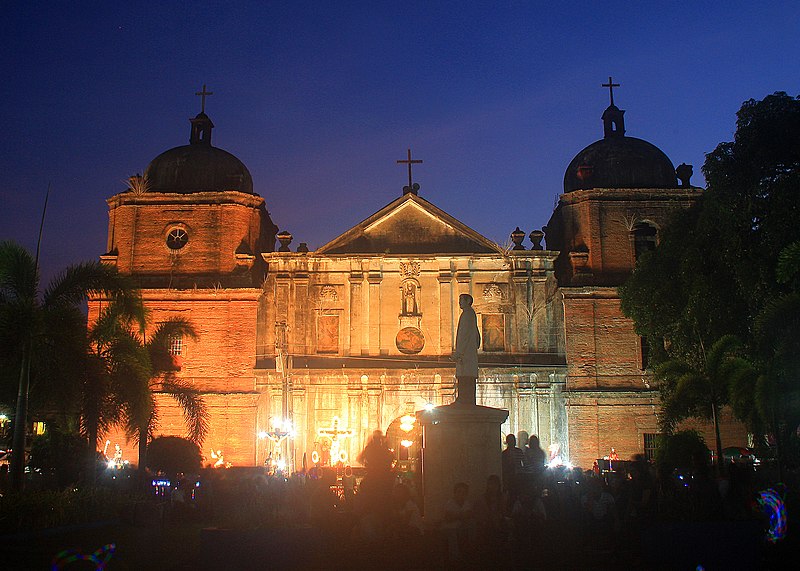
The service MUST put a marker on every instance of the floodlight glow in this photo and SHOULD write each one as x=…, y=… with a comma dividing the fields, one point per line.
x=429, y=406
x=406, y=443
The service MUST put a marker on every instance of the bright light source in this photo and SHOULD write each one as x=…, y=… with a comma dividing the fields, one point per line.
x=406, y=443
x=263, y=434
x=430, y=406
x=407, y=423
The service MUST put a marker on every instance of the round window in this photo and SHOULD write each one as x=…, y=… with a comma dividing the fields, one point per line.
x=177, y=238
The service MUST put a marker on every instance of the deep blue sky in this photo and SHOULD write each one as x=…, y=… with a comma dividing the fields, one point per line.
x=319, y=99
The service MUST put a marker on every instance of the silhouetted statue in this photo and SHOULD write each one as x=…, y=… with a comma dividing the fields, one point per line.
x=468, y=339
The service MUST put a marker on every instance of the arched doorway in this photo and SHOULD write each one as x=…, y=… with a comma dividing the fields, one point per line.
x=404, y=437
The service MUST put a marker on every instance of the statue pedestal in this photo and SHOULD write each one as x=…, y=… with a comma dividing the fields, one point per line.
x=461, y=443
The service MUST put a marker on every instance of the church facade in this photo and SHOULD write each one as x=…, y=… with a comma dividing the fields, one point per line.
x=302, y=354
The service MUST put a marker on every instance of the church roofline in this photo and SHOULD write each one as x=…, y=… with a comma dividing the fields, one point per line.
x=205, y=197
x=359, y=229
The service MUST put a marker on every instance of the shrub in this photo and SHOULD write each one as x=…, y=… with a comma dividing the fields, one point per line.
x=172, y=454
x=682, y=450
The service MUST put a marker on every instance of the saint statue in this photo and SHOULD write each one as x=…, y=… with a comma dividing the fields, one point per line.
x=410, y=299
x=468, y=339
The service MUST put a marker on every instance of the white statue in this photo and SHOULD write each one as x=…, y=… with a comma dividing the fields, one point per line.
x=468, y=339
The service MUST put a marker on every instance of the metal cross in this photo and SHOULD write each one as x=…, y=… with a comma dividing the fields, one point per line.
x=333, y=432
x=203, y=100
x=409, y=162
x=611, y=85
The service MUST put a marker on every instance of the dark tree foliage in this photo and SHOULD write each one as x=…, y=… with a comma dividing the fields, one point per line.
x=755, y=184
x=726, y=266
x=172, y=454
x=683, y=294
x=59, y=454
x=680, y=451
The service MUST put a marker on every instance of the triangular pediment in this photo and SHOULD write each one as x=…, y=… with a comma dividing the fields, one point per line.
x=410, y=225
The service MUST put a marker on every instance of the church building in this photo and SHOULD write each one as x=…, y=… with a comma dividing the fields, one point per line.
x=302, y=354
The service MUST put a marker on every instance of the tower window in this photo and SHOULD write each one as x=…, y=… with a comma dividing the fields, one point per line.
x=650, y=442
x=644, y=238
x=645, y=349
x=176, y=345
x=177, y=238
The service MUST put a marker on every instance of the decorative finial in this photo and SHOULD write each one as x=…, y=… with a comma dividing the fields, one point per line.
x=684, y=173
x=611, y=85
x=517, y=236
x=203, y=95
x=412, y=186
x=285, y=238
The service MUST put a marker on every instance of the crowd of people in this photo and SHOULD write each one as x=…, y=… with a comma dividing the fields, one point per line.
x=556, y=516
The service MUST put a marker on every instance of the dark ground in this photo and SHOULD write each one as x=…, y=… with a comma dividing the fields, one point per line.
x=187, y=546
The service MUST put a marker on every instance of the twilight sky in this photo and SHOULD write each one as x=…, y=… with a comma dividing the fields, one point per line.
x=319, y=99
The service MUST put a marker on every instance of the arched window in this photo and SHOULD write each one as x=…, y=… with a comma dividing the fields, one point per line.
x=644, y=238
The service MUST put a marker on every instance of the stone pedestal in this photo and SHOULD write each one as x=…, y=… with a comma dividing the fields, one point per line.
x=461, y=443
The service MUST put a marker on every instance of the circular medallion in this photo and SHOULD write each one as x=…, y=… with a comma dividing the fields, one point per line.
x=410, y=340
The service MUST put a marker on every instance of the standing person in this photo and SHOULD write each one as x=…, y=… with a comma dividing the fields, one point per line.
x=377, y=459
x=349, y=485
x=468, y=340
x=534, y=455
x=459, y=522
x=512, y=461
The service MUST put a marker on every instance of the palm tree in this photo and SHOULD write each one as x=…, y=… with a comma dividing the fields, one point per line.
x=127, y=370
x=773, y=398
x=139, y=401
x=113, y=358
x=701, y=388
x=42, y=334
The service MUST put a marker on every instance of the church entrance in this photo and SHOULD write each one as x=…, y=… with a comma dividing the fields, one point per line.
x=404, y=437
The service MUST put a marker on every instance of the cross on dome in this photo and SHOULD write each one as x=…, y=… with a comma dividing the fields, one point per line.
x=203, y=95
x=611, y=85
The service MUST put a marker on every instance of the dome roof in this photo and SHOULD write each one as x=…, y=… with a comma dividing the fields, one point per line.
x=617, y=161
x=198, y=167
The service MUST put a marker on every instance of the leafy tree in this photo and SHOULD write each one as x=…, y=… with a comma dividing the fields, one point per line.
x=683, y=294
x=152, y=372
x=114, y=357
x=754, y=181
x=700, y=389
x=42, y=336
x=724, y=267
x=55, y=452
x=679, y=450
x=173, y=454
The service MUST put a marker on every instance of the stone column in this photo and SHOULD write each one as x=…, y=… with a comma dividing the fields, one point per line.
x=374, y=280
x=357, y=441
x=356, y=314
x=447, y=334
x=374, y=407
x=300, y=424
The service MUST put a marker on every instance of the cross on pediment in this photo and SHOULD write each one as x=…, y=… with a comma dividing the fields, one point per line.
x=611, y=85
x=411, y=186
x=203, y=95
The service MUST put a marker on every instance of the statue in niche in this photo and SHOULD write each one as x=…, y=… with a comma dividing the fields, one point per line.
x=409, y=292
